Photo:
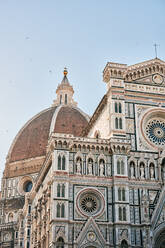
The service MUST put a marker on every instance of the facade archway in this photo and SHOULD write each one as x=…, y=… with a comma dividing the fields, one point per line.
x=160, y=241
x=124, y=244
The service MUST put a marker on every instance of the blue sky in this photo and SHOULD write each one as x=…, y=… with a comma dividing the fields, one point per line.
x=39, y=38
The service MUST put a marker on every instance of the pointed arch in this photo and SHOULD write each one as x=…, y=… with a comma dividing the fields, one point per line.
x=119, y=194
x=58, y=190
x=60, y=243
x=58, y=210
x=118, y=166
x=122, y=167
x=116, y=107
x=63, y=162
x=62, y=210
x=120, y=123
x=59, y=162
x=116, y=123
x=120, y=108
x=124, y=214
x=123, y=194
x=63, y=190
x=124, y=244
x=120, y=213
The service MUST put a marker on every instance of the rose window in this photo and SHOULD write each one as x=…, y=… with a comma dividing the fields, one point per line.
x=155, y=131
x=90, y=202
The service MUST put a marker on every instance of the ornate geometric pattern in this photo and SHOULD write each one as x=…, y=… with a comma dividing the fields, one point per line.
x=155, y=130
x=90, y=202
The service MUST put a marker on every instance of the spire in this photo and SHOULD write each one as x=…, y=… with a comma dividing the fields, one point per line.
x=65, y=79
x=64, y=91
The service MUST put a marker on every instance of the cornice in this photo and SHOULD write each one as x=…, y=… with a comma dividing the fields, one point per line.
x=133, y=72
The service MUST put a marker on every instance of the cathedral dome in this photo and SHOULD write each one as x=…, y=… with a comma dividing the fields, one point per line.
x=63, y=117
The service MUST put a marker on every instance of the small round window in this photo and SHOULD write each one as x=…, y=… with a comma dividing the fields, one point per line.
x=28, y=186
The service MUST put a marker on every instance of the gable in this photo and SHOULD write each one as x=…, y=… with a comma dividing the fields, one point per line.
x=91, y=235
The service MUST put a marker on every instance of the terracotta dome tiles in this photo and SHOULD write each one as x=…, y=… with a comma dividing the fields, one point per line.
x=32, y=140
x=70, y=121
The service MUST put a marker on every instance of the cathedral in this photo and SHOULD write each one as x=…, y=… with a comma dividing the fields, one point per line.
x=74, y=181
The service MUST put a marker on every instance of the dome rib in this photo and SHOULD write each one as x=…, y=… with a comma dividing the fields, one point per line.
x=32, y=139
x=70, y=121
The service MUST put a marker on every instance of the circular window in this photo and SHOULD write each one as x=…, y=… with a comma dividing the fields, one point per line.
x=152, y=127
x=27, y=186
x=90, y=202
x=155, y=130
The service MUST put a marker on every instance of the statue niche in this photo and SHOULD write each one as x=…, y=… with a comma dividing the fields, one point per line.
x=152, y=172
x=90, y=167
x=132, y=169
x=102, y=167
x=78, y=166
x=142, y=172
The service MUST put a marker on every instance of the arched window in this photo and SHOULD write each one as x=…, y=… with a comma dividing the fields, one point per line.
x=123, y=194
x=60, y=243
x=58, y=210
x=62, y=210
x=120, y=213
x=119, y=194
x=124, y=214
x=124, y=244
x=60, y=99
x=120, y=123
x=122, y=167
x=116, y=107
x=63, y=190
x=63, y=162
x=118, y=166
x=120, y=108
x=59, y=162
x=65, y=98
x=116, y=123
x=58, y=190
